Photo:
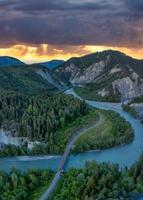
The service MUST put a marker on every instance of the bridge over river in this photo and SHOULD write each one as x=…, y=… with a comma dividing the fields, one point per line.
x=64, y=158
x=125, y=155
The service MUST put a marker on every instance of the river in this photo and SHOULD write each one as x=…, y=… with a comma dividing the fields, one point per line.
x=123, y=155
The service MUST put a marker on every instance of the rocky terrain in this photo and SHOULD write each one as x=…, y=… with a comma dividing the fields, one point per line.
x=105, y=74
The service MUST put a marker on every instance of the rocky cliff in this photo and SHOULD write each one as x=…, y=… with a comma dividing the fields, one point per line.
x=105, y=74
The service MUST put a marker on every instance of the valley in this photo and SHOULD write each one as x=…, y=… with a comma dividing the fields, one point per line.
x=24, y=127
x=35, y=109
x=108, y=157
x=71, y=100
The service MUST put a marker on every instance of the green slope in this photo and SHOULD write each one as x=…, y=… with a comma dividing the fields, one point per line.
x=24, y=80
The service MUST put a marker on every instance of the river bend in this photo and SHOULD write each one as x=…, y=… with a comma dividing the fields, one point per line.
x=123, y=155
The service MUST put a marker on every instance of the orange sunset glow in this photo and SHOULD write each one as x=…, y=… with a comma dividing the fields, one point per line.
x=35, y=31
x=31, y=54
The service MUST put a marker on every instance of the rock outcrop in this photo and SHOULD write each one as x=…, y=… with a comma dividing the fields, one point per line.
x=105, y=73
x=51, y=79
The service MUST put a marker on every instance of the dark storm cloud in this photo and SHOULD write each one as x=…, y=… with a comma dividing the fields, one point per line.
x=36, y=5
x=71, y=22
x=135, y=5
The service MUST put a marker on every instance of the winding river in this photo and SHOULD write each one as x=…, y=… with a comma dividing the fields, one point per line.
x=123, y=155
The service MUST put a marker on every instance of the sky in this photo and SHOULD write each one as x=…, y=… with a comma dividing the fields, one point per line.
x=42, y=30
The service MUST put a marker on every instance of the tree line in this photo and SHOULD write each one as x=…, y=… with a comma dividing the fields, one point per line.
x=19, y=186
x=39, y=118
x=130, y=109
x=103, y=181
x=114, y=131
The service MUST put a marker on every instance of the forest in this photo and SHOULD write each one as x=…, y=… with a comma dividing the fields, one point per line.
x=39, y=118
x=129, y=109
x=51, y=120
x=22, y=186
x=103, y=181
x=137, y=99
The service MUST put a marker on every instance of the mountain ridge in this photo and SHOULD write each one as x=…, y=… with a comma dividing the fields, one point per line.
x=52, y=64
x=105, y=74
x=29, y=79
x=9, y=61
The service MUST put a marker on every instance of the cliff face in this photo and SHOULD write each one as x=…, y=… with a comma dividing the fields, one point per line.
x=51, y=79
x=128, y=87
x=106, y=73
x=89, y=75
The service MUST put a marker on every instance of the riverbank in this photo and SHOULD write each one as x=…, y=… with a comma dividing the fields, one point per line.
x=114, y=131
x=40, y=119
x=93, y=95
x=63, y=135
x=105, y=136
x=129, y=109
x=101, y=181
x=65, y=156
x=110, y=183
x=124, y=155
x=135, y=109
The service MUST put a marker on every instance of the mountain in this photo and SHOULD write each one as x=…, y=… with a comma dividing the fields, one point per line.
x=52, y=64
x=9, y=61
x=29, y=79
x=108, y=75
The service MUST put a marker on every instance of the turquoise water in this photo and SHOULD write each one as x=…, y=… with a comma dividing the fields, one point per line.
x=124, y=155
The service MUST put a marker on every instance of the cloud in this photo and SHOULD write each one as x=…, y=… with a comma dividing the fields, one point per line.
x=71, y=22
x=36, y=5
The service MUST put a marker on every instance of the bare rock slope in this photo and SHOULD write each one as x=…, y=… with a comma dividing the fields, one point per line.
x=104, y=74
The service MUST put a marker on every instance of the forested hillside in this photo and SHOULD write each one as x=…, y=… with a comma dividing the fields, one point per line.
x=9, y=61
x=39, y=118
x=29, y=80
x=53, y=64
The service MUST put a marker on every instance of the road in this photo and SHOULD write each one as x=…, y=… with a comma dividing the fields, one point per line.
x=68, y=148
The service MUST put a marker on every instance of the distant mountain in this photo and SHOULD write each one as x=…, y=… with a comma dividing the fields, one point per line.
x=9, y=61
x=52, y=64
x=103, y=76
x=29, y=79
x=108, y=75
